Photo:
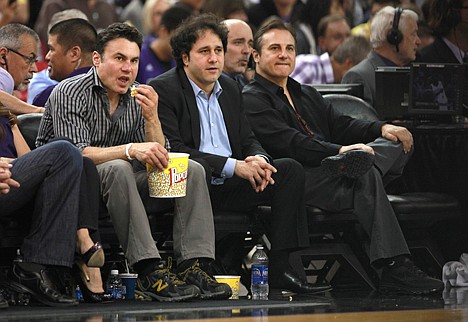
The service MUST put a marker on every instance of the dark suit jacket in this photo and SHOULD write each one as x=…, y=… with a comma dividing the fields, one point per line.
x=437, y=52
x=364, y=73
x=178, y=113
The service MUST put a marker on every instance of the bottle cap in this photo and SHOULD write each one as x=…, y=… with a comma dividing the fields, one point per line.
x=114, y=272
x=259, y=246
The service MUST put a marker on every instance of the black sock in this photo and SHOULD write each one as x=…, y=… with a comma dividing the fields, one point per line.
x=146, y=266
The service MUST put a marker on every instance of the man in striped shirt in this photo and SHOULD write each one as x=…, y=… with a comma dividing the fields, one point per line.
x=121, y=133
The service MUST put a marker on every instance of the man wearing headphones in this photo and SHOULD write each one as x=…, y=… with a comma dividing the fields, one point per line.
x=449, y=21
x=394, y=39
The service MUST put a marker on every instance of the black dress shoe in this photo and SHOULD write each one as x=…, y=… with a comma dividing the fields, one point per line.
x=33, y=279
x=351, y=164
x=290, y=281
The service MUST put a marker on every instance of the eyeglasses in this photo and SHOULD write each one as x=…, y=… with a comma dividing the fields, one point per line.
x=31, y=60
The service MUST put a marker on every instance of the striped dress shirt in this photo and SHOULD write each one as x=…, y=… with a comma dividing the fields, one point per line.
x=313, y=69
x=79, y=109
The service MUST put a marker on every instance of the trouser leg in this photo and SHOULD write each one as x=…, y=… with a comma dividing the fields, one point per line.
x=193, y=227
x=90, y=197
x=287, y=227
x=49, y=177
x=367, y=197
x=193, y=232
x=126, y=209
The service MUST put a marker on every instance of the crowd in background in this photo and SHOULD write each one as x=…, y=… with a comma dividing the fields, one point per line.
x=146, y=16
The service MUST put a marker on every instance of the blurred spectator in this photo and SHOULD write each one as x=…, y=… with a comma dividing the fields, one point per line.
x=238, y=50
x=71, y=44
x=156, y=57
x=328, y=69
x=41, y=80
x=193, y=5
x=151, y=14
x=14, y=11
x=390, y=48
x=364, y=28
x=309, y=18
x=332, y=31
x=100, y=13
x=132, y=14
x=449, y=21
x=288, y=11
x=226, y=9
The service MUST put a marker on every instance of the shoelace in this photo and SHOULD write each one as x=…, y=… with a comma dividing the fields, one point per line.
x=196, y=268
x=171, y=276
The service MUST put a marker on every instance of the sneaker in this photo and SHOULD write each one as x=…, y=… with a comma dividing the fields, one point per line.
x=351, y=164
x=407, y=278
x=210, y=289
x=164, y=286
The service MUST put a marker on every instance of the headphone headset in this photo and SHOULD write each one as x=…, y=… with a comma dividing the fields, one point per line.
x=394, y=35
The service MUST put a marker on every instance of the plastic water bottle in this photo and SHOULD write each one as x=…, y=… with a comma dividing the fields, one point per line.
x=114, y=285
x=78, y=294
x=259, y=286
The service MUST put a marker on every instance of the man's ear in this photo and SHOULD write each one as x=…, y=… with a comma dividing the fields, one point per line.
x=75, y=53
x=96, y=58
x=185, y=59
x=3, y=52
x=255, y=55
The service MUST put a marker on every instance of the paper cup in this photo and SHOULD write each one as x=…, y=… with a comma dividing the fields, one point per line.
x=129, y=281
x=233, y=281
x=172, y=182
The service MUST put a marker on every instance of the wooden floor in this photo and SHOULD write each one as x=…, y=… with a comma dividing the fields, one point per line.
x=400, y=316
x=336, y=306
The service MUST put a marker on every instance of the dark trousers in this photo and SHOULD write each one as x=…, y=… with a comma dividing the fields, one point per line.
x=287, y=227
x=50, y=185
x=90, y=197
x=367, y=197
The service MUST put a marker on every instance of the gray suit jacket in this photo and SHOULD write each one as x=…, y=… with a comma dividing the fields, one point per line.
x=364, y=73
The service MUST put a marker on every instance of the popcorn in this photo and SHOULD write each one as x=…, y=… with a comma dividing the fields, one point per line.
x=133, y=91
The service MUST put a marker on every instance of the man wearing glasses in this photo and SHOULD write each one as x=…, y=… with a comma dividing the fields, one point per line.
x=18, y=56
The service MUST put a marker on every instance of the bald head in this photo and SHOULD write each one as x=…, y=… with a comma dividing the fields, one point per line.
x=239, y=47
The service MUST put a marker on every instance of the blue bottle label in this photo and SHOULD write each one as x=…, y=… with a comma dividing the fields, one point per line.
x=259, y=274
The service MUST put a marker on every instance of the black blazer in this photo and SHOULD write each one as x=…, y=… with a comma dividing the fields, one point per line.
x=437, y=52
x=178, y=113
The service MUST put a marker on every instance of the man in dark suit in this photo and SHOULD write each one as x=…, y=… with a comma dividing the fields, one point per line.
x=449, y=21
x=291, y=120
x=202, y=114
x=397, y=50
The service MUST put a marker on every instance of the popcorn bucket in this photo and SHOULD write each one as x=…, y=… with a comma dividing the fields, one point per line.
x=172, y=181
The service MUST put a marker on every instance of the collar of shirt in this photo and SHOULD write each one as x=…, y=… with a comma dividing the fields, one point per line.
x=293, y=86
x=217, y=89
x=459, y=54
x=214, y=138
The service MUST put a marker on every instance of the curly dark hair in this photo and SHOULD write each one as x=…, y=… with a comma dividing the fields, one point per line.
x=115, y=31
x=191, y=30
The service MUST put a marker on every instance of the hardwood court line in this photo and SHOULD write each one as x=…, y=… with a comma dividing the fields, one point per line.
x=439, y=315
